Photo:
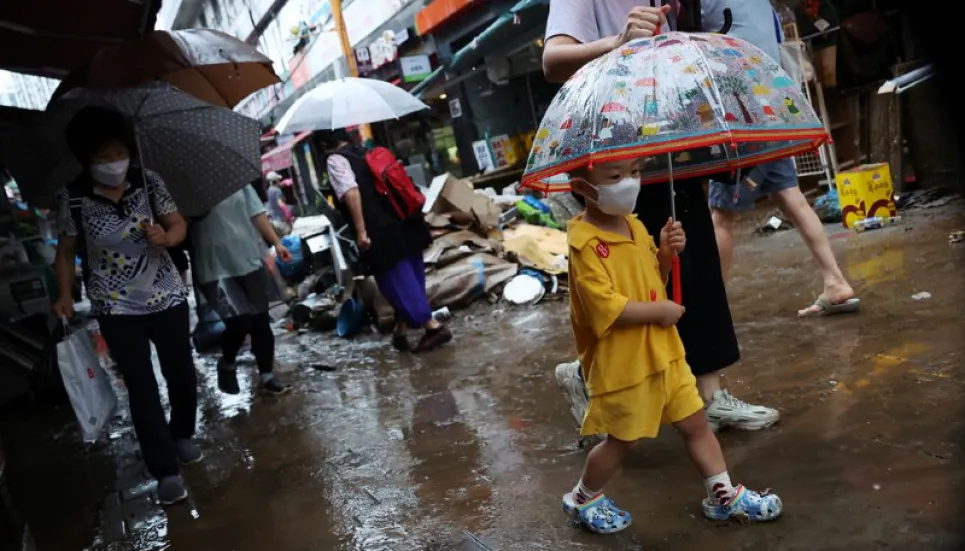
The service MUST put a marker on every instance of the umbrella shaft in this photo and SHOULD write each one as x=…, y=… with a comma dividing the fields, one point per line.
x=673, y=198
x=147, y=187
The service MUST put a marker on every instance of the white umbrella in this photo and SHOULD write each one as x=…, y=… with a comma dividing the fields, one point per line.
x=348, y=102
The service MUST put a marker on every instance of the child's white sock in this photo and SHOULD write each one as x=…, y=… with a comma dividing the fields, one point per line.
x=719, y=488
x=584, y=494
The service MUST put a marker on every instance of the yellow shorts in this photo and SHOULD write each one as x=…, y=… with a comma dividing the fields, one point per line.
x=637, y=412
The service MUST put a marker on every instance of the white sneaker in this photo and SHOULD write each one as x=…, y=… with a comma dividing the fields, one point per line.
x=568, y=377
x=726, y=411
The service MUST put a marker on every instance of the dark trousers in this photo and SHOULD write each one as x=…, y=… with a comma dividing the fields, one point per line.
x=129, y=339
x=707, y=329
x=262, y=339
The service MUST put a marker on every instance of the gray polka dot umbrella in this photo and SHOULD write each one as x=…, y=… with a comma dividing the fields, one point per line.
x=202, y=152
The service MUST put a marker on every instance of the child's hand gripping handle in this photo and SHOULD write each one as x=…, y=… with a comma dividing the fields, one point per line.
x=672, y=241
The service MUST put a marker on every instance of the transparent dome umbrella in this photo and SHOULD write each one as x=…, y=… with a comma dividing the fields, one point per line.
x=687, y=105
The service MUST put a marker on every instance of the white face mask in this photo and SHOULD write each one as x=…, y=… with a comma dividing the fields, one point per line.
x=619, y=199
x=110, y=174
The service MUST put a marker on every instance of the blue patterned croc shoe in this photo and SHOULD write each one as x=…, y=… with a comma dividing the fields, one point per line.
x=746, y=506
x=599, y=515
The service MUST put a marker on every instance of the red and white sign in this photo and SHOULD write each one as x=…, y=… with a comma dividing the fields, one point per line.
x=501, y=146
x=298, y=68
x=602, y=250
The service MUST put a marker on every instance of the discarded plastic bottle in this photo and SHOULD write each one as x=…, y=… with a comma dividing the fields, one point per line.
x=871, y=223
x=875, y=222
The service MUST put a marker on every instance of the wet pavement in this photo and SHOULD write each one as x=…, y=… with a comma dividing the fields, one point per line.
x=471, y=447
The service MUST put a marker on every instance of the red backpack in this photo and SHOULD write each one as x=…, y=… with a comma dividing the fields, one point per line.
x=392, y=181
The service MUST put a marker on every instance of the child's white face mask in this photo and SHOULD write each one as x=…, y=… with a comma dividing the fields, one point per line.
x=619, y=199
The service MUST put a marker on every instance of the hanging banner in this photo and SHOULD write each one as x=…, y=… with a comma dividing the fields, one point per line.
x=382, y=50
x=299, y=71
x=386, y=48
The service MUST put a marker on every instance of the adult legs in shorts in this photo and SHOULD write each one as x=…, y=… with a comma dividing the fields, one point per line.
x=779, y=180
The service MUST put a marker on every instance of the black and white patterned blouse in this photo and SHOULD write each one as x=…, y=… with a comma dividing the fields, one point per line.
x=128, y=276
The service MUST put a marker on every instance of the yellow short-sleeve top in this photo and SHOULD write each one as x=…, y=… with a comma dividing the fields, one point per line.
x=606, y=271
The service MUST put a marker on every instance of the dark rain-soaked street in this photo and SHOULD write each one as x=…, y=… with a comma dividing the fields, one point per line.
x=471, y=447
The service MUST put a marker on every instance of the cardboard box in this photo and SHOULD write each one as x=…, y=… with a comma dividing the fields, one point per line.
x=485, y=211
x=449, y=194
x=865, y=191
x=460, y=220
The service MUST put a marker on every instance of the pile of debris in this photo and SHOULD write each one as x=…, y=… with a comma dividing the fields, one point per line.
x=486, y=245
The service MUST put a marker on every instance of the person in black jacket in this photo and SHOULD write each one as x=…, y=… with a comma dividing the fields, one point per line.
x=391, y=248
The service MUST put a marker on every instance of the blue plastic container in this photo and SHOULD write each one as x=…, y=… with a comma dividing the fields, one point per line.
x=351, y=318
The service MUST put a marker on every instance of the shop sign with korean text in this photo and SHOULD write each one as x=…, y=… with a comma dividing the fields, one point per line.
x=416, y=68
x=484, y=158
x=363, y=60
x=455, y=108
x=502, y=151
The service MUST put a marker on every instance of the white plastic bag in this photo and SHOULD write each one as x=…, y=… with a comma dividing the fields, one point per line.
x=86, y=382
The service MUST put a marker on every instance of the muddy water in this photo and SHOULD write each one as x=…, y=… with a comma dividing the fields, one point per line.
x=471, y=447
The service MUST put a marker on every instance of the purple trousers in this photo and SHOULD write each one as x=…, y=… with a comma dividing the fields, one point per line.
x=404, y=286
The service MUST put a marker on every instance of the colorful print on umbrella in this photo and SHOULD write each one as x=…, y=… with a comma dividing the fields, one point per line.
x=705, y=103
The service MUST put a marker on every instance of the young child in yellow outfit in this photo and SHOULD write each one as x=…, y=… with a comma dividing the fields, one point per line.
x=634, y=362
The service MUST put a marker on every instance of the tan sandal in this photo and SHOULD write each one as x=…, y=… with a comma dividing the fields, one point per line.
x=826, y=308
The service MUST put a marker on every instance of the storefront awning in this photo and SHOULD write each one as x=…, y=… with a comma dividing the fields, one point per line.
x=524, y=16
x=53, y=37
x=437, y=13
x=527, y=15
x=280, y=158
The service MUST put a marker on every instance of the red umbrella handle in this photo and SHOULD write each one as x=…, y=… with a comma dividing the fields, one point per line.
x=678, y=295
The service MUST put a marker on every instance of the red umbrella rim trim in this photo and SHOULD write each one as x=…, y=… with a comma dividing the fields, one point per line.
x=815, y=138
x=693, y=172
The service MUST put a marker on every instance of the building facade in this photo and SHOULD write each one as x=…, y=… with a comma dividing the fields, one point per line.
x=254, y=21
x=26, y=91
x=297, y=35
x=167, y=14
x=491, y=89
